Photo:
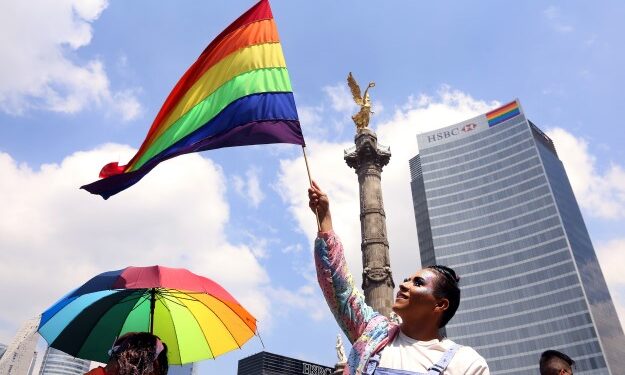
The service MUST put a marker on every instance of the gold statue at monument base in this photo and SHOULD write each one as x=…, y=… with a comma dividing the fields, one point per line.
x=361, y=118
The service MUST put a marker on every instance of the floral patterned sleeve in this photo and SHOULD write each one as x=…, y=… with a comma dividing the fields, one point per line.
x=346, y=302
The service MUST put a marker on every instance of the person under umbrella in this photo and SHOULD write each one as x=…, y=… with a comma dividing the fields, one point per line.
x=135, y=353
x=426, y=301
x=197, y=318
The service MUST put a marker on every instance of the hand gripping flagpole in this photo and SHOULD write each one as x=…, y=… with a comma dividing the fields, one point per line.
x=310, y=181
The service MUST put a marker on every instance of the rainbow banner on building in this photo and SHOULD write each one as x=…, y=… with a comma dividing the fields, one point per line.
x=504, y=113
x=237, y=93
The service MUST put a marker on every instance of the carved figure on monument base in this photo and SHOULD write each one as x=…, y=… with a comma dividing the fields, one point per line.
x=340, y=350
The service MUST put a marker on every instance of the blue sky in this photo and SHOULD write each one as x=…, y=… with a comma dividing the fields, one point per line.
x=80, y=82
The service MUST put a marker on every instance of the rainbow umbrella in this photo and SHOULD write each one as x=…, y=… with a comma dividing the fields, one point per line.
x=193, y=315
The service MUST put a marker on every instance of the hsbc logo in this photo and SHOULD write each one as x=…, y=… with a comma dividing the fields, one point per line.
x=450, y=133
x=469, y=127
x=443, y=135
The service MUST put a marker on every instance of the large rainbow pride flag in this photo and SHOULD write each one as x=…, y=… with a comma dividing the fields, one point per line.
x=237, y=93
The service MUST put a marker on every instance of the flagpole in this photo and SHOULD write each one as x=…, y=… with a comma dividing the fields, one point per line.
x=310, y=181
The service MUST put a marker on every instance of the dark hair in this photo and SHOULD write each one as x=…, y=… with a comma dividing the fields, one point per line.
x=447, y=287
x=140, y=353
x=551, y=362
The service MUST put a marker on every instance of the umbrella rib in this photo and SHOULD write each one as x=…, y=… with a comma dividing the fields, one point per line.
x=121, y=326
x=167, y=293
x=142, y=302
x=204, y=334
x=223, y=303
x=96, y=322
x=175, y=331
x=169, y=298
x=191, y=298
x=218, y=317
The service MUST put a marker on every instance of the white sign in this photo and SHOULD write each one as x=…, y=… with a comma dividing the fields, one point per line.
x=452, y=133
x=312, y=369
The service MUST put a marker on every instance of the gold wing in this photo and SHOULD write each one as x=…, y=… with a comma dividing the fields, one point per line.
x=351, y=82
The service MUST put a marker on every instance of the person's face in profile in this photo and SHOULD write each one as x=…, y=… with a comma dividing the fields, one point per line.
x=416, y=296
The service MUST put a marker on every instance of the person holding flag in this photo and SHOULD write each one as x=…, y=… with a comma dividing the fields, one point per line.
x=426, y=301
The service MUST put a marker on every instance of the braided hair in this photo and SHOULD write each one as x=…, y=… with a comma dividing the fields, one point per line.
x=140, y=353
x=447, y=287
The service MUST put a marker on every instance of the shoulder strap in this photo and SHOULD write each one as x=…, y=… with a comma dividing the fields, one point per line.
x=442, y=363
x=436, y=369
x=372, y=364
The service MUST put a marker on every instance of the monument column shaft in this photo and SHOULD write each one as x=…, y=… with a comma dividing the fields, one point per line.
x=368, y=160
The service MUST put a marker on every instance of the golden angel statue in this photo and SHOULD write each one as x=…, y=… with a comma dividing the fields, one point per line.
x=361, y=118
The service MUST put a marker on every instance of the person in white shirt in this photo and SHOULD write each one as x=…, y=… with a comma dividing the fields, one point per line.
x=426, y=301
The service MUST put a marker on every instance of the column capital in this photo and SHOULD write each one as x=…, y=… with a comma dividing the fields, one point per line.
x=367, y=151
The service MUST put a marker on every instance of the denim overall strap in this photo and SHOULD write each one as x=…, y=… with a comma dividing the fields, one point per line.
x=391, y=371
x=372, y=364
x=442, y=363
x=436, y=369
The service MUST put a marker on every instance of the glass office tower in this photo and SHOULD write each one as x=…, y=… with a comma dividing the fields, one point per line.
x=492, y=200
x=56, y=362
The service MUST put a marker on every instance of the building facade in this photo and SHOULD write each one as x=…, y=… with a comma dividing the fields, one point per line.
x=3, y=348
x=493, y=201
x=20, y=356
x=265, y=363
x=188, y=369
x=56, y=362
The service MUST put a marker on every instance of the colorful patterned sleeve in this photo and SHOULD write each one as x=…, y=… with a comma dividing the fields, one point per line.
x=346, y=302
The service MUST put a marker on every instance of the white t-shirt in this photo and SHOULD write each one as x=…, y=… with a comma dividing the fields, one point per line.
x=408, y=354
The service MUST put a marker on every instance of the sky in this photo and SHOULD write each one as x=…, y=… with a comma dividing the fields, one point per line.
x=81, y=81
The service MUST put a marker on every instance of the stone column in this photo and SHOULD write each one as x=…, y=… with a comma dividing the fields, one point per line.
x=368, y=158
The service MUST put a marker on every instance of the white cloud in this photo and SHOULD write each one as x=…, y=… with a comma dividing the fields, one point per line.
x=310, y=116
x=306, y=298
x=599, y=194
x=296, y=248
x=340, y=182
x=37, y=70
x=249, y=188
x=555, y=18
x=611, y=256
x=311, y=121
x=53, y=236
x=253, y=187
x=340, y=98
x=552, y=12
x=126, y=105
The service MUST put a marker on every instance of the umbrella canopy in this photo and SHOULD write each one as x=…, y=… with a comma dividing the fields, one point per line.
x=193, y=315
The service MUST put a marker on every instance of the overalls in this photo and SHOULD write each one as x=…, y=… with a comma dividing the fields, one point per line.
x=437, y=369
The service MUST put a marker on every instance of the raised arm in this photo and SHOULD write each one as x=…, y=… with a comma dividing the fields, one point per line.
x=346, y=302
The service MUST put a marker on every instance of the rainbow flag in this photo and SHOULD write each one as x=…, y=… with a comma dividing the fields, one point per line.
x=237, y=93
x=504, y=113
